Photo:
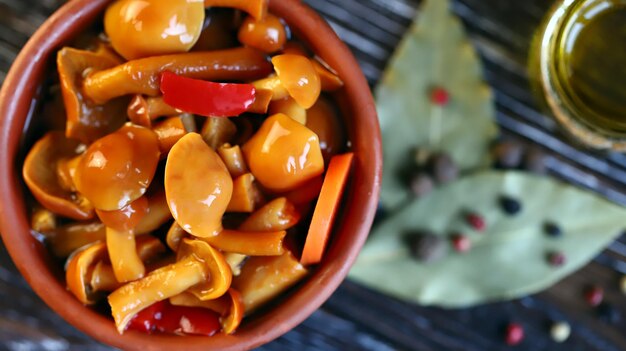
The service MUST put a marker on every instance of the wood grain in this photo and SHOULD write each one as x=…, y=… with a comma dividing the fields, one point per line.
x=356, y=318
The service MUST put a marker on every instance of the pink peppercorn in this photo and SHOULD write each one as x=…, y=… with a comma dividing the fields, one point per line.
x=476, y=221
x=461, y=243
x=439, y=96
x=594, y=295
x=514, y=334
x=556, y=258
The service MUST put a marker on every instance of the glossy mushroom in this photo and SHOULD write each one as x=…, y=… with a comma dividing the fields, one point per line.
x=142, y=28
x=198, y=186
x=77, y=270
x=233, y=159
x=218, y=131
x=200, y=269
x=298, y=75
x=118, y=168
x=40, y=175
x=278, y=214
x=264, y=278
x=144, y=110
x=87, y=120
x=120, y=239
x=87, y=273
x=142, y=76
x=103, y=277
x=268, y=34
x=283, y=154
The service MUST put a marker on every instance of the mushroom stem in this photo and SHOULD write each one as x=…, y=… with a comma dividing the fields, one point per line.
x=125, y=260
x=279, y=214
x=249, y=243
x=159, y=285
x=143, y=110
x=143, y=76
x=233, y=159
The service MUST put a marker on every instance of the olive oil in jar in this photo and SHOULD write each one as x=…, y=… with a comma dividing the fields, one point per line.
x=580, y=58
x=594, y=64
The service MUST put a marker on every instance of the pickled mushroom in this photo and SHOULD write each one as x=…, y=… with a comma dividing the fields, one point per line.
x=144, y=110
x=40, y=175
x=283, y=154
x=118, y=168
x=298, y=75
x=142, y=76
x=198, y=186
x=142, y=28
x=200, y=269
x=86, y=120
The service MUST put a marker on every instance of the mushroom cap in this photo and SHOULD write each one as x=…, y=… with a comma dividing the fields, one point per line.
x=117, y=169
x=298, y=75
x=283, y=154
x=40, y=175
x=167, y=27
x=87, y=121
x=198, y=186
x=78, y=268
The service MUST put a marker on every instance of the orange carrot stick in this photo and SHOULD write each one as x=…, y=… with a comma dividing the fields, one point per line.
x=326, y=208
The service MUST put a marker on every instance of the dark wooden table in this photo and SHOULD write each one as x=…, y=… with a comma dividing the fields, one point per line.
x=356, y=318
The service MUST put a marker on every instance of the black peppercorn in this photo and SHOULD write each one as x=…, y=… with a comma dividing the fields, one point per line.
x=552, y=229
x=427, y=247
x=443, y=168
x=510, y=205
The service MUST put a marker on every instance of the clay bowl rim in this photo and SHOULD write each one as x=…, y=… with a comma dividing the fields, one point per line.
x=20, y=89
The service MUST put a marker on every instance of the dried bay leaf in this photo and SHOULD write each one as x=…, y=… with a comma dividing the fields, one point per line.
x=435, y=52
x=508, y=260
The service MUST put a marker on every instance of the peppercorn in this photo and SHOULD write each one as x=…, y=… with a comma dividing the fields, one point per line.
x=609, y=313
x=439, y=96
x=594, y=295
x=560, y=331
x=422, y=184
x=508, y=154
x=427, y=247
x=510, y=205
x=535, y=161
x=443, y=168
x=476, y=221
x=514, y=334
x=556, y=258
x=461, y=243
x=552, y=229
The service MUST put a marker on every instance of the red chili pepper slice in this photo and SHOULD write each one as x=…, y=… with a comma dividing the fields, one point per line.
x=163, y=317
x=206, y=98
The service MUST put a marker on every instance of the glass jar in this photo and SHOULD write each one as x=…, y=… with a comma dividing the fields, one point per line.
x=578, y=67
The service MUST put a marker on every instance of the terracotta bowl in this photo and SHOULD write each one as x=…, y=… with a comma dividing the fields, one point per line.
x=17, y=100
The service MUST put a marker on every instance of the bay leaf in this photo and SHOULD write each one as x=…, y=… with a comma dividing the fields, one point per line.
x=506, y=261
x=434, y=53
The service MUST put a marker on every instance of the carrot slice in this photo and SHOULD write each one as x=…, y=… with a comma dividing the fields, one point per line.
x=326, y=208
